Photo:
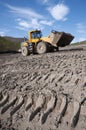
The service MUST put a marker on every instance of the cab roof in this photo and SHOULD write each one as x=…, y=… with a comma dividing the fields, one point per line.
x=35, y=31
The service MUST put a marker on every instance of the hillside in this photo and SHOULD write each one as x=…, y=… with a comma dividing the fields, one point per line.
x=10, y=43
x=14, y=39
x=79, y=43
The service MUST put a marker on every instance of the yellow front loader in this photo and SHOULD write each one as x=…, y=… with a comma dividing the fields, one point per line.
x=38, y=44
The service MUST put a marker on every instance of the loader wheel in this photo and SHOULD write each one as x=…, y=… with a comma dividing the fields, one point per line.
x=24, y=51
x=41, y=48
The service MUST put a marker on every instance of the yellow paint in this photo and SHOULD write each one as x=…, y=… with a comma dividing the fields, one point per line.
x=24, y=44
x=46, y=39
x=35, y=40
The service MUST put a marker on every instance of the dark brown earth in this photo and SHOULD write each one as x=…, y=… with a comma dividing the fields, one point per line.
x=43, y=92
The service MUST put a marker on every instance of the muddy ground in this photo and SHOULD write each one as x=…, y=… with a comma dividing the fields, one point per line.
x=43, y=92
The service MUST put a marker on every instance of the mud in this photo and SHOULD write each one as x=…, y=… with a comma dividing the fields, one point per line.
x=43, y=92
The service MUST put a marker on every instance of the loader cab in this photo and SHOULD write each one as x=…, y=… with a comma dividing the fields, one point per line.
x=35, y=35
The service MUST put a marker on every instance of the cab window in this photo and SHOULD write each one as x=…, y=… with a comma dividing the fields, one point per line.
x=36, y=35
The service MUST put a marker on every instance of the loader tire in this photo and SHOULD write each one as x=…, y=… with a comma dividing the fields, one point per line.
x=41, y=48
x=24, y=51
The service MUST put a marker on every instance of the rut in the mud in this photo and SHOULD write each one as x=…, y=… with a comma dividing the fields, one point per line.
x=42, y=92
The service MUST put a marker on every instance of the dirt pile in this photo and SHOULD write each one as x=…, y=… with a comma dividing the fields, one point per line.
x=43, y=92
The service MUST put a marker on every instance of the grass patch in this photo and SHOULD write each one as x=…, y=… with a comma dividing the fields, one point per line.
x=8, y=45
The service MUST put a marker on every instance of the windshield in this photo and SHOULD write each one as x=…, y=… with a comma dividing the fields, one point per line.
x=37, y=34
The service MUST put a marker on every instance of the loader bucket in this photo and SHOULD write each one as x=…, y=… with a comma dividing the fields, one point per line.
x=60, y=39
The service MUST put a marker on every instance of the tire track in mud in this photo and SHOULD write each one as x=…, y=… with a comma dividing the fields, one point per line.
x=43, y=106
x=39, y=105
x=4, y=100
x=18, y=106
x=50, y=106
x=30, y=78
x=62, y=110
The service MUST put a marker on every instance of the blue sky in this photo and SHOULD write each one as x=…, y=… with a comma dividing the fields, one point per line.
x=17, y=17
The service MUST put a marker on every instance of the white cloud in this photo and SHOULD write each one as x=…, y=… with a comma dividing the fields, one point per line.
x=2, y=33
x=81, y=28
x=24, y=24
x=28, y=18
x=45, y=22
x=20, y=28
x=82, y=39
x=59, y=11
x=45, y=1
x=32, y=24
x=25, y=12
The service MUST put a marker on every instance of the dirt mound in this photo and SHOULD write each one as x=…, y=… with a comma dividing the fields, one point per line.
x=43, y=92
